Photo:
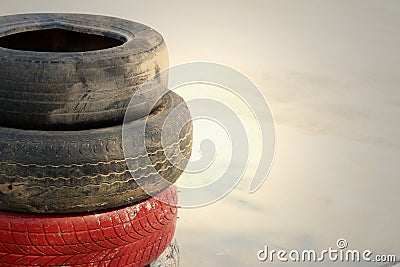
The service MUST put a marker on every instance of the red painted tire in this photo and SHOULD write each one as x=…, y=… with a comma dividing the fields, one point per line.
x=130, y=236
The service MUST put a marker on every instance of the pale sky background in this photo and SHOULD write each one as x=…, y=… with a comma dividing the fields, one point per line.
x=330, y=72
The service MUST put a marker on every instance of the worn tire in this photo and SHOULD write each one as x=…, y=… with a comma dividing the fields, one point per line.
x=81, y=74
x=80, y=171
x=169, y=258
x=131, y=236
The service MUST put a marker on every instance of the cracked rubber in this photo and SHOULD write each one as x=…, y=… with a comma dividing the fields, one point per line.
x=131, y=236
x=76, y=90
x=81, y=171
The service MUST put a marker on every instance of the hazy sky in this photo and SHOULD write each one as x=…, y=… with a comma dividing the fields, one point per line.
x=339, y=37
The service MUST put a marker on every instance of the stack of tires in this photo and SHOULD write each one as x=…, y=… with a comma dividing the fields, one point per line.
x=67, y=197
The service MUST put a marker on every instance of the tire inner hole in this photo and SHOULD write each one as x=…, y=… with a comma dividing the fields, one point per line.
x=57, y=40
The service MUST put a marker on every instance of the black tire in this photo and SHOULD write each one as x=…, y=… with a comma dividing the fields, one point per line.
x=74, y=71
x=80, y=171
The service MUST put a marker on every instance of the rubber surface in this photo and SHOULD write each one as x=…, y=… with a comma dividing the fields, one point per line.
x=169, y=258
x=76, y=89
x=130, y=236
x=80, y=171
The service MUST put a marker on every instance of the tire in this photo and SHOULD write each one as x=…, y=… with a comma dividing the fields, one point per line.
x=75, y=71
x=81, y=171
x=169, y=258
x=131, y=236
